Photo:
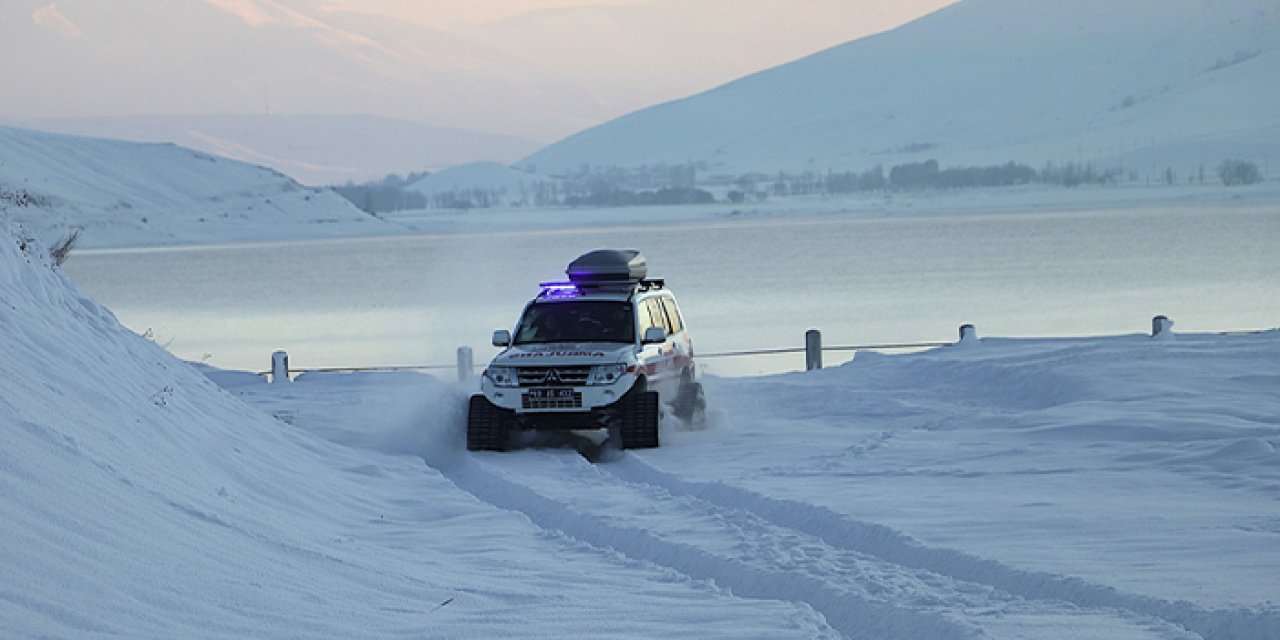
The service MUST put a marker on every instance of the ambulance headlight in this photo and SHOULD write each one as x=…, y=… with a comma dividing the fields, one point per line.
x=603, y=374
x=502, y=376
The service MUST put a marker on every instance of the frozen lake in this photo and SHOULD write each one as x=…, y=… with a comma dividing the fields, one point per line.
x=743, y=283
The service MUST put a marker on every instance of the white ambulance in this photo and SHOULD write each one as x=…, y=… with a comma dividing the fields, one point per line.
x=608, y=348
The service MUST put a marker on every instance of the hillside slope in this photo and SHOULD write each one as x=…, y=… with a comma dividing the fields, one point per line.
x=1143, y=83
x=313, y=149
x=131, y=194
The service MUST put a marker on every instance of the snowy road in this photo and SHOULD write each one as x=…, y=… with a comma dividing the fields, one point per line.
x=1055, y=504
x=866, y=580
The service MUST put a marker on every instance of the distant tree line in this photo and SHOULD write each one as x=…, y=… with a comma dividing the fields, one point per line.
x=664, y=184
x=928, y=175
x=387, y=194
x=1236, y=172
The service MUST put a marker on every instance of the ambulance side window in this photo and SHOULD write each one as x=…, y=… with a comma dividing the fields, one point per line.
x=643, y=320
x=673, y=314
x=658, y=315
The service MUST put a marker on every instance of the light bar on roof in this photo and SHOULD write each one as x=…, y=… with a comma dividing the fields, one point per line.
x=559, y=290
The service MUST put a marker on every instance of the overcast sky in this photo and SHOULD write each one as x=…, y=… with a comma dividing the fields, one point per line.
x=446, y=14
x=539, y=69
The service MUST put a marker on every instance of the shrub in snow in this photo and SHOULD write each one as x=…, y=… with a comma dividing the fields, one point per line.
x=1237, y=172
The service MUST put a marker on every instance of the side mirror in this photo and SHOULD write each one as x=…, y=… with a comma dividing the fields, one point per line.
x=501, y=338
x=655, y=335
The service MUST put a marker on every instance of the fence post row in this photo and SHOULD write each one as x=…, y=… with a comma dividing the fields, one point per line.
x=1161, y=326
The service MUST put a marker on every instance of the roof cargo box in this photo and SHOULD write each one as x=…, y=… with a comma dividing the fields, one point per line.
x=608, y=265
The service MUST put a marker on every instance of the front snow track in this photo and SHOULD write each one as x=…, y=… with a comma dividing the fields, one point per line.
x=866, y=580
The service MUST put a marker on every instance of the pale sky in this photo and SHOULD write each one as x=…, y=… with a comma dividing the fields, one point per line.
x=446, y=14
x=538, y=69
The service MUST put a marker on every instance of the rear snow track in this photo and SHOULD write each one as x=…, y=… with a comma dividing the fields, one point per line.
x=866, y=580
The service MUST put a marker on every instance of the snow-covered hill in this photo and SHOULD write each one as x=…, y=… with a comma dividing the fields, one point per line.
x=1146, y=84
x=1118, y=487
x=132, y=194
x=313, y=149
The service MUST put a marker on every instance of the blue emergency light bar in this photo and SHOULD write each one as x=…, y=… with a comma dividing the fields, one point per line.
x=558, y=290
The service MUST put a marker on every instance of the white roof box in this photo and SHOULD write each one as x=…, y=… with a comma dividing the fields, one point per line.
x=608, y=266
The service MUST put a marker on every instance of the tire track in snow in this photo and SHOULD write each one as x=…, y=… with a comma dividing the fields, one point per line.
x=851, y=615
x=843, y=532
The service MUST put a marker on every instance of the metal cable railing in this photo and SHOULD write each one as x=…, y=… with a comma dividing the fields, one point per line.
x=813, y=350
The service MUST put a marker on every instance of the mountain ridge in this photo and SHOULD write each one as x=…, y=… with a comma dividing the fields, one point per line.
x=980, y=81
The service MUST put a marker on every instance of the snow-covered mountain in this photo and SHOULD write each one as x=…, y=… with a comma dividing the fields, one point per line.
x=133, y=194
x=313, y=149
x=1143, y=83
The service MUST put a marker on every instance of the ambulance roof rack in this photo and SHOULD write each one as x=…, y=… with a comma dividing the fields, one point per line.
x=559, y=289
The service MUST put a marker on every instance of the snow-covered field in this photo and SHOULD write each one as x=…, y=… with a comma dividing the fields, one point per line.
x=1119, y=487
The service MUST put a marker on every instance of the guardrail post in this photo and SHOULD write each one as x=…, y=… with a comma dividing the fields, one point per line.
x=968, y=334
x=466, y=364
x=812, y=350
x=279, y=367
x=1161, y=326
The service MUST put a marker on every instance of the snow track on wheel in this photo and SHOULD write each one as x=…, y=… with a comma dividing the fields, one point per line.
x=866, y=580
x=875, y=540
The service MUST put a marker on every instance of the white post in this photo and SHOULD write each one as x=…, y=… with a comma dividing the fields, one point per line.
x=812, y=350
x=968, y=334
x=279, y=367
x=466, y=364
